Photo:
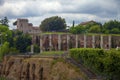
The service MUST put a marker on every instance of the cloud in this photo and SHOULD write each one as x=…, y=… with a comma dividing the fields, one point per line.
x=78, y=10
x=1, y=2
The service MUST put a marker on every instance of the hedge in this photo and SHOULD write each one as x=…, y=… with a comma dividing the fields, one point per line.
x=105, y=63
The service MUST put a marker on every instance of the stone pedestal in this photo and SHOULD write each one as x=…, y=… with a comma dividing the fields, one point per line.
x=41, y=46
x=76, y=44
x=59, y=42
x=68, y=41
x=109, y=41
x=85, y=42
x=93, y=41
x=101, y=41
x=50, y=43
x=32, y=48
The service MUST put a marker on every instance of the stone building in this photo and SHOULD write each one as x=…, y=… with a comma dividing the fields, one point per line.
x=26, y=27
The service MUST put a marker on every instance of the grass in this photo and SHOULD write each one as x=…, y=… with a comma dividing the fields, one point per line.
x=3, y=78
x=55, y=33
x=49, y=53
x=52, y=52
x=80, y=34
x=96, y=34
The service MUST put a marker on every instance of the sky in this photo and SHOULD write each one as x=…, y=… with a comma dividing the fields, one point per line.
x=78, y=10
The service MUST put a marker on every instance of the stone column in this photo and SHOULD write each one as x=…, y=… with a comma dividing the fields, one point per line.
x=59, y=42
x=32, y=49
x=76, y=41
x=67, y=41
x=101, y=41
x=93, y=41
x=85, y=41
x=109, y=41
x=41, y=48
x=50, y=43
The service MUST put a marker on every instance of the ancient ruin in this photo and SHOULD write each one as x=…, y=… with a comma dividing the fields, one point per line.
x=55, y=42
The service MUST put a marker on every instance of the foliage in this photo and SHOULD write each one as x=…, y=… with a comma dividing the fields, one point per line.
x=115, y=31
x=112, y=26
x=95, y=29
x=92, y=27
x=106, y=63
x=3, y=78
x=13, y=51
x=16, y=39
x=77, y=30
x=54, y=23
x=52, y=52
x=5, y=33
x=4, y=21
x=36, y=48
x=4, y=49
x=22, y=42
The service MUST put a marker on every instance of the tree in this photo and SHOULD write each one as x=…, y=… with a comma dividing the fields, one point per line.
x=95, y=29
x=6, y=34
x=111, y=27
x=78, y=29
x=86, y=27
x=115, y=31
x=4, y=21
x=4, y=49
x=22, y=42
x=54, y=23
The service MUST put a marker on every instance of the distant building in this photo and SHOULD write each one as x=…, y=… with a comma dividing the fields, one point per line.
x=88, y=22
x=25, y=27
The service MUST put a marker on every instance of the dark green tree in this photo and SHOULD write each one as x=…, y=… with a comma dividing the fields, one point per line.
x=112, y=26
x=4, y=21
x=88, y=27
x=22, y=42
x=54, y=23
x=77, y=30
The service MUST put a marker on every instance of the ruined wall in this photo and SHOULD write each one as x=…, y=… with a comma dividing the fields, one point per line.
x=64, y=42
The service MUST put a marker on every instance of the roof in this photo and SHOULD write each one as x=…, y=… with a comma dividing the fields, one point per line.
x=88, y=22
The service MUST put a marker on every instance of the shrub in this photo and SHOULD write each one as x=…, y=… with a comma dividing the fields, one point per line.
x=106, y=63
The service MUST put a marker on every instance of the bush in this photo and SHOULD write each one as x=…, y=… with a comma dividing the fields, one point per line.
x=4, y=49
x=106, y=63
x=13, y=51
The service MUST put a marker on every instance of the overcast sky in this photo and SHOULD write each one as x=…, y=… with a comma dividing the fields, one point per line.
x=77, y=10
